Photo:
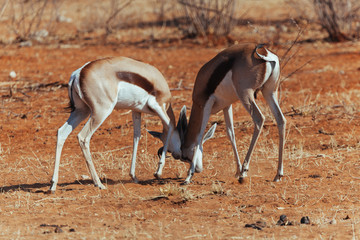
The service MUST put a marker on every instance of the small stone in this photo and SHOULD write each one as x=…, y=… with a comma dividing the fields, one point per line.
x=254, y=226
x=58, y=230
x=305, y=220
x=261, y=224
x=85, y=177
x=26, y=44
x=12, y=74
x=333, y=221
x=283, y=221
x=283, y=218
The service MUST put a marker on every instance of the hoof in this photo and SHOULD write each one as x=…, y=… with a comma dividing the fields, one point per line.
x=100, y=186
x=134, y=178
x=185, y=183
x=278, y=178
x=157, y=176
x=52, y=188
x=242, y=180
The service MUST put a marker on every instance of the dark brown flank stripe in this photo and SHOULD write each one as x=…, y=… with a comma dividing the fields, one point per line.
x=136, y=79
x=218, y=74
x=223, y=68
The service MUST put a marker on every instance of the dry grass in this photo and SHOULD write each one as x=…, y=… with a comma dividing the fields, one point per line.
x=321, y=170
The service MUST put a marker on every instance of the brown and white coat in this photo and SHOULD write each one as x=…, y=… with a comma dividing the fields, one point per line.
x=236, y=73
x=99, y=87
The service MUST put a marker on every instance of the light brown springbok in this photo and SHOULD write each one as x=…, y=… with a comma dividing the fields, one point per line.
x=237, y=73
x=99, y=87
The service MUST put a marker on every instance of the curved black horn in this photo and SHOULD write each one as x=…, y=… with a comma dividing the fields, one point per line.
x=182, y=124
x=160, y=151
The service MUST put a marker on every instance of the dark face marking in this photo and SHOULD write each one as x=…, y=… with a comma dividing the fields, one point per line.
x=137, y=80
x=218, y=74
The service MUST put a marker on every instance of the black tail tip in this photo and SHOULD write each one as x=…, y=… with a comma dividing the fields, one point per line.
x=70, y=107
x=261, y=45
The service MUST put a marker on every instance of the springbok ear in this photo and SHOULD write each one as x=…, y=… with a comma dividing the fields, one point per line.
x=182, y=123
x=155, y=134
x=209, y=134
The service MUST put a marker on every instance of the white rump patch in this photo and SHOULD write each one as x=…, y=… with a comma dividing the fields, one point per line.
x=75, y=80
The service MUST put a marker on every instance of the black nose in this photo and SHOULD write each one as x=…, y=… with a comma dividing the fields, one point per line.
x=160, y=151
x=185, y=159
x=176, y=156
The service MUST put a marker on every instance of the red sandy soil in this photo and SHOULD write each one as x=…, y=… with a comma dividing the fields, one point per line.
x=321, y=165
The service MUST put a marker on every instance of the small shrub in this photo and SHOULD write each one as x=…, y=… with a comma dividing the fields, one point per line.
x=208, y=17
x=31, y=19
x=339, y=18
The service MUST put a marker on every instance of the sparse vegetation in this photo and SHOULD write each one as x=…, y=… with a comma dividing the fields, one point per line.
x=206, y=17
x=321, y=104
x=172, y=190
x=340, y=18
x=32, y=19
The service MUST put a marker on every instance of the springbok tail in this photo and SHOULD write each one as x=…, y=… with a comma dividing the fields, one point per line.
x=71, y=105
x=74, y=80
x=270, y=57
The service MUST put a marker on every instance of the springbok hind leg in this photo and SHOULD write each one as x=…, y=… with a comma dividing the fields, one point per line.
x=76, y=117
x=258, y=119
x=94, y=122
x=270, y=98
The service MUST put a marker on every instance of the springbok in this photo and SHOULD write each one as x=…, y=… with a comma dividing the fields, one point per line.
x=99, y=87
x=237, y=73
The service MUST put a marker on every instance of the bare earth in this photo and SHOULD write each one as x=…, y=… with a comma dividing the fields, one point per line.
x=322, y=168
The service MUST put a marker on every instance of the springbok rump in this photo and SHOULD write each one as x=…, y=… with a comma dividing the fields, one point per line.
x=99, y=87
x=237, y=73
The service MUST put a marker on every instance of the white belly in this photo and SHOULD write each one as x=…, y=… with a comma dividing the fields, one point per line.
x=224, y=94
x=133, y=97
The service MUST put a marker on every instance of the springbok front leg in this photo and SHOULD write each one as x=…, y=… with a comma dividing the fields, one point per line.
x=161, y=163
x=160, y=111
x=228, y=115
x=97, y=117
x=136, y=117
x=196, y=163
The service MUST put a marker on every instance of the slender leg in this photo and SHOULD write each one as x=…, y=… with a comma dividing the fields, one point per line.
x=228, y=114
x=95, y=120
x=197, y=158
x=74, y=120
x=270, y=98
x=153, y=104
x=161, y=164
x=136, y=116
x=247, y=98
